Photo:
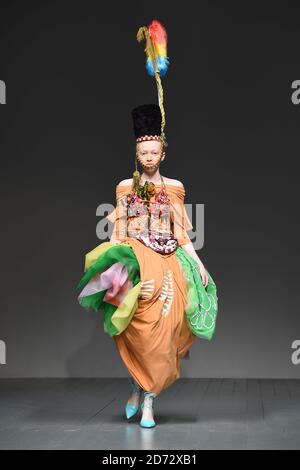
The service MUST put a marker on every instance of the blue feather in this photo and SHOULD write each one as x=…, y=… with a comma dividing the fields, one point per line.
x=162, y=64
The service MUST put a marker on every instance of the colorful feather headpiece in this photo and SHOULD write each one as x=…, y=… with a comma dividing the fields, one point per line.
x=157, y=62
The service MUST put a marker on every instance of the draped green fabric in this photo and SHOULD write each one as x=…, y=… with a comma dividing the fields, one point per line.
x=202, y=303
x=117, y=253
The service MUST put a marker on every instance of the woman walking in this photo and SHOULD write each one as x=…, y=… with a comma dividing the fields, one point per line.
x=155, y=292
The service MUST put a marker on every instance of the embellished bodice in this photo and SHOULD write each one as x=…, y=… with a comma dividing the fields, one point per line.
x=149, y=215
x=162, y=218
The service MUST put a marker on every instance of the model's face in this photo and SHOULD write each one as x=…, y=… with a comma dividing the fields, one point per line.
x=149, y=154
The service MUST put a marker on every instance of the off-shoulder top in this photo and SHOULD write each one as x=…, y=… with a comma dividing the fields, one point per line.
x=127, y=226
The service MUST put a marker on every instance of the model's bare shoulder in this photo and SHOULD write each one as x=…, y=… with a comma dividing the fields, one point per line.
x=170, y=181
x=173, y=182
x=127, y=182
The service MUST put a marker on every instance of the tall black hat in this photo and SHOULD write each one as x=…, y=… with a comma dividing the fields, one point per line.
x=147, y=122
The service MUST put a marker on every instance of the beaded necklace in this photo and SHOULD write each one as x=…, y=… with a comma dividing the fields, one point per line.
x=138, y=205
x=158, y=236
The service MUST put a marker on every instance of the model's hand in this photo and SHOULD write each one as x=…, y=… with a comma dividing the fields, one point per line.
x=116, y=242
x=203, y=274
x=190, y=250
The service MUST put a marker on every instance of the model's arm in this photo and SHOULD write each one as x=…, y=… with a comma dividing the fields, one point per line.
x=181, y=225
x=190, y=250
x=119, y=217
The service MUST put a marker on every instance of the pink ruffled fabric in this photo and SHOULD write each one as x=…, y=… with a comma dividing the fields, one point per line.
x=114, y=279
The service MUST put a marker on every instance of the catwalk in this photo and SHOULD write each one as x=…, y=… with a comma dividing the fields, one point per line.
x=192, y=414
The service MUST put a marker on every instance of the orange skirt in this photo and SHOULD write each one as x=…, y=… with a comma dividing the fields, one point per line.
x=158, y=336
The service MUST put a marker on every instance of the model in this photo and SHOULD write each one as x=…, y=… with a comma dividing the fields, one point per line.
x=156, y=295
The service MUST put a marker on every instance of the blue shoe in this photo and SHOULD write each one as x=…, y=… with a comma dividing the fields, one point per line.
x=130, y=409
x=147, y=423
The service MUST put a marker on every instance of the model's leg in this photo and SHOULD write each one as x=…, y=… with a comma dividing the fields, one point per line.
x=147, y=420
x=135, y=392
x=133, y=402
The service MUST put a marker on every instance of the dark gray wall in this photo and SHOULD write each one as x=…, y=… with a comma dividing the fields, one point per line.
x=72, y=76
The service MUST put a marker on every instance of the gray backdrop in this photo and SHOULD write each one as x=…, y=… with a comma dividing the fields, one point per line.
x=72, y=76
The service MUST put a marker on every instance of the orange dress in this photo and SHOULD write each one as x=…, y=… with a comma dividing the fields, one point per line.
x=158, y=336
